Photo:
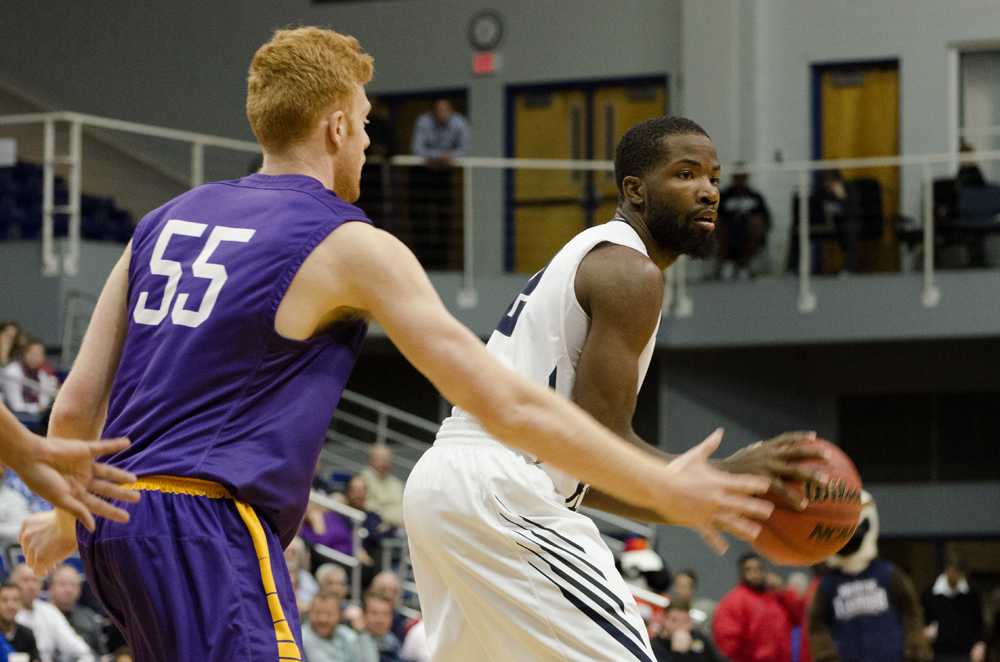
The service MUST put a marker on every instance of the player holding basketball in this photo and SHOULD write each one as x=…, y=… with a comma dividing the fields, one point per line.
x=221, y=344
x=504, y=565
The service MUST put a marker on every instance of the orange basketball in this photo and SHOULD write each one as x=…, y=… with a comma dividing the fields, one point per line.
x=806, y=537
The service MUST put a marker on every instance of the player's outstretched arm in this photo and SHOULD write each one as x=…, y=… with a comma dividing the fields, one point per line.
x=622, y=292
x=371, y=271
x=78, y=413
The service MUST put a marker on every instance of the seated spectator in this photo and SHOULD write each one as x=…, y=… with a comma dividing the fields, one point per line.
x=415, y=646
x=753, y=622
x=387, y=584
x=969, y=175
x=19, y=638
x=55, y=636
x=385, y=491
x=685, y=588
x=30, y=402
x=332, y=579
x=677, y=640
x=297, y=560
x=324, y=638
x=11, y=342
x=13, y=509
x=65, y=585
x=378, y=643
x=744, y=221
x=325, y=527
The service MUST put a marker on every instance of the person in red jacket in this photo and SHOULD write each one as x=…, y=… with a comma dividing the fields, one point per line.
x=753, y=622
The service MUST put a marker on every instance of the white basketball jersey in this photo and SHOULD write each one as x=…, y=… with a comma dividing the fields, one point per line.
x=541, y=335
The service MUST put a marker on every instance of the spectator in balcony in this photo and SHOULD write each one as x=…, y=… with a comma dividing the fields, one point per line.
x=753, y=622
x=439, y=136
x=29, y=387
x=954, y=613
x=13, y=509
x=744, y=221
x=969, y=175
x=384, y=490
x=65, y=587
x=678, y=641
x=11, y=342
x=832, y=208
x=19, y=638
x=324, y=638
x=378, y=643
x=685, y=589
x=56, y=638
x=297, y=560
x=387, y=584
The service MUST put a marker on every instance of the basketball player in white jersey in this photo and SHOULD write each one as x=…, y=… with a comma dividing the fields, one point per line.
x=505, y=567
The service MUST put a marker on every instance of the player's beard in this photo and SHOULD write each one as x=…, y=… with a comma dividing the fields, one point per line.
x=678, y=233
x=347, y=184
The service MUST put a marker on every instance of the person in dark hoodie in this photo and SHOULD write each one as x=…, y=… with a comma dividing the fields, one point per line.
x=955, y=616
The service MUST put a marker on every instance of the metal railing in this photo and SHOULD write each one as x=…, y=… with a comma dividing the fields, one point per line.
x=77, y=122
x=356, y=518
x=678, y=298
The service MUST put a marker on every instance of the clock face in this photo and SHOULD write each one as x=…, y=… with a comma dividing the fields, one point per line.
x=485, y=30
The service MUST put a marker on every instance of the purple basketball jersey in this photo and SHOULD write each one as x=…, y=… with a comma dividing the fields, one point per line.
x=206, y=387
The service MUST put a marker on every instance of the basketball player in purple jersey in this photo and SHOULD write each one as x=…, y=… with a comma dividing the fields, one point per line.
x=221, y=344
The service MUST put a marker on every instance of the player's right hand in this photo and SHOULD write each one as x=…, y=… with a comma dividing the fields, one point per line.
x=710, y=501
x=47, y=539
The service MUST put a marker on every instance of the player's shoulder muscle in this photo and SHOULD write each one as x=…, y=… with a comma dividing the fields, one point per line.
x=357, y=258
x=619, y=280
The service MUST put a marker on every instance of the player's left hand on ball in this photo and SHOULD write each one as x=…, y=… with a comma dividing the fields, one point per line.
x=778, y=459
x=47, y=539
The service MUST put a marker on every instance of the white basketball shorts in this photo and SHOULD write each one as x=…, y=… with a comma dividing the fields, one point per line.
x=505, y=571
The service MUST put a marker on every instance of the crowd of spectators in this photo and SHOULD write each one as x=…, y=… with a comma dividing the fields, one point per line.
x=765, y=618
x=372, y=625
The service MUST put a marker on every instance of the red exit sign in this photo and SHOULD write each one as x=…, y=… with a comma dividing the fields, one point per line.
x=485, y=63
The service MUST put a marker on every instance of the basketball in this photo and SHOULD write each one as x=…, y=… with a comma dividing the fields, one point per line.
x=806, y=537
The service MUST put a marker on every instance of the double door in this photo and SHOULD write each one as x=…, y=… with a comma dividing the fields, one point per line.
x=584, y=121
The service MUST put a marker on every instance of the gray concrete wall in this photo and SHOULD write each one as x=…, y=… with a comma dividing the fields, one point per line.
x=183, y=64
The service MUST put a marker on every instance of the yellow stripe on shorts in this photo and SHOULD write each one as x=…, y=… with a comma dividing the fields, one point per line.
x=287, y=648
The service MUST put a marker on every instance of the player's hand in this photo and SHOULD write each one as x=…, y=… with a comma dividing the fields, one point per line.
x=47, y=539
x=777, y=459
x=711, y=501
x=63, y=472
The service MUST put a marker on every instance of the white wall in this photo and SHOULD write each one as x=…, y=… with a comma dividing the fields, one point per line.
x=779, y=40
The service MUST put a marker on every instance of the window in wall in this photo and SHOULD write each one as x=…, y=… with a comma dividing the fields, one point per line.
x=979, y=98
x=921, y=437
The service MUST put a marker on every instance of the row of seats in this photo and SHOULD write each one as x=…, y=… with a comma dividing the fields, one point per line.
x=21, y=208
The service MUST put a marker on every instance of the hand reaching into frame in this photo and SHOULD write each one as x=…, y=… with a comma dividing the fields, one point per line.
x=64, y=473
